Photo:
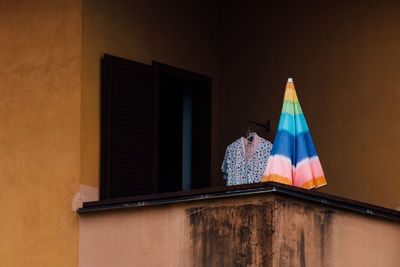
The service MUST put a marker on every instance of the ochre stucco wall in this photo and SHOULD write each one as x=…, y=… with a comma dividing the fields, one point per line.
x=255, y=230
x=40, y=68
x=146, y=237
x=344, y=57
x=178, y=33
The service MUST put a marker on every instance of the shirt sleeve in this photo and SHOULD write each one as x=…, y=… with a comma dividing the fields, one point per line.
x=226, y=164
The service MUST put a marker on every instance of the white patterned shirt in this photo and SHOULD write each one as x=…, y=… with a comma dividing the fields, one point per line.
x=245, y=162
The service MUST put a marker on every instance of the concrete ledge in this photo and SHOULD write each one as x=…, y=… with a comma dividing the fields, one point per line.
x=234, y=191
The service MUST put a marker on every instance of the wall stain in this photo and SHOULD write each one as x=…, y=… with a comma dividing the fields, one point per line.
x=303, y=234
x=325, y=225
x=231, y=235
x=301, y=249
x=282, y=232
x=286, y=255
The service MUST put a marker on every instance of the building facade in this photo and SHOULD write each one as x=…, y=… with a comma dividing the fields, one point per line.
x=343, y=56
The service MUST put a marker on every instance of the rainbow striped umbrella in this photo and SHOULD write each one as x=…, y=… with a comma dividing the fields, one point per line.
x=293, y=159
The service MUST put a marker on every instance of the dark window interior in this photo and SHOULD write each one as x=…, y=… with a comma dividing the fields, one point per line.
x=170, y=134
x=155, y=132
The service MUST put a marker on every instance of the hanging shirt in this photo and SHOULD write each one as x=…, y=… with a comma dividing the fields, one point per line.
x=245, y=161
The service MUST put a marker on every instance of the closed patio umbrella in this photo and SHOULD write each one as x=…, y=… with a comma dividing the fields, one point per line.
x=293, y=159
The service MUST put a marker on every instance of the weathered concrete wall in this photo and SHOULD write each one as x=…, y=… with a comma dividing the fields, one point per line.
x=227, y=232
x=303, y=233
x=312, y=235
x=236, y=234
x=40, y=81
x=255, y=230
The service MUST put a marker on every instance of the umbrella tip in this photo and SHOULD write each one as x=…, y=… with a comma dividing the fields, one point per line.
x=290, y=80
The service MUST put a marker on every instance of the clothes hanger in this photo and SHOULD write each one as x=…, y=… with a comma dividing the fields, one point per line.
x=250, y=134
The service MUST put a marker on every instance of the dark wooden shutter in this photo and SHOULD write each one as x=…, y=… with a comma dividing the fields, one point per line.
x=128, y=128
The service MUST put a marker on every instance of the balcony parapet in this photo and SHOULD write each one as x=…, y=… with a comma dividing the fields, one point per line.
x=266, y=224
